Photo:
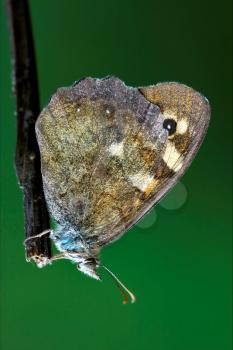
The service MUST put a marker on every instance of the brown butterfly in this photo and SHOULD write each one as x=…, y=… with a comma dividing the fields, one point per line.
x=109, y=153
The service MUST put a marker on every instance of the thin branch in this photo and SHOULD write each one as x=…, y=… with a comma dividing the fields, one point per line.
x=27, y=159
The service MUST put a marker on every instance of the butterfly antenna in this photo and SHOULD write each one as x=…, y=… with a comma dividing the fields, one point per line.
x=122, y=288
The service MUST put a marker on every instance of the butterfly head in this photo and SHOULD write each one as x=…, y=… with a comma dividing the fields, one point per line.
x=85, y=264
x=89, y=266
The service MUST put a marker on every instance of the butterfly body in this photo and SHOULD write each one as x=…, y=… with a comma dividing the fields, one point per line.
x=109, y=153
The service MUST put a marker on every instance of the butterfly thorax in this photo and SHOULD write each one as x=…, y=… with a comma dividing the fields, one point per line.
x=73, y=246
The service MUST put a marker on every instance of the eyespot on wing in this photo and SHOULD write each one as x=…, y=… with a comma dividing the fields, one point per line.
x=178, y=102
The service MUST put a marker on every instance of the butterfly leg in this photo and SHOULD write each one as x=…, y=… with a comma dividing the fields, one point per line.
x=59, y=256
x=37, y=236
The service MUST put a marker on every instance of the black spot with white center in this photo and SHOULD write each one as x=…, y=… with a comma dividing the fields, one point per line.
x=170, y=126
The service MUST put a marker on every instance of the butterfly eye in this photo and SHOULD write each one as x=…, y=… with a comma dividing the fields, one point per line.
x=170, y=126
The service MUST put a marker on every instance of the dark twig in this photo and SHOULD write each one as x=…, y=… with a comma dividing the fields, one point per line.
x=27, y=160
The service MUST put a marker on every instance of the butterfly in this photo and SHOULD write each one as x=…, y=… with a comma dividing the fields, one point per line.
x=110, y=152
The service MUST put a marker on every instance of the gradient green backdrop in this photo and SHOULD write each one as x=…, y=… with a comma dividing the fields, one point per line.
x=180, y=267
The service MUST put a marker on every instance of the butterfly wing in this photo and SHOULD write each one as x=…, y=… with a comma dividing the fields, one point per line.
x=108, y=154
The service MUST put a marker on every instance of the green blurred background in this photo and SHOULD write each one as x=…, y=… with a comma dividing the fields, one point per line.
x=179, y=267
